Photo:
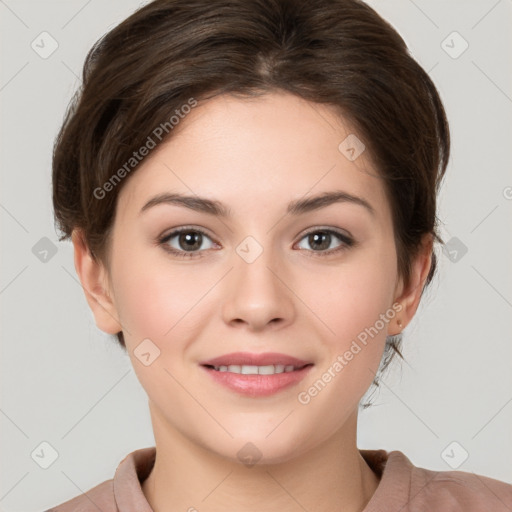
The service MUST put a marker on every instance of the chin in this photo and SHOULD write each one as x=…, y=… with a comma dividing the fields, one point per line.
x=260, y=447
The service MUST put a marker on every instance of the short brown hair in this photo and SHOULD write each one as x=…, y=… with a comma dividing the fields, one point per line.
x=335, y=52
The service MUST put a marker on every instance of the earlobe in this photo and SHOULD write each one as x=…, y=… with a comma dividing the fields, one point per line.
x=410, y=296
x=92, y=275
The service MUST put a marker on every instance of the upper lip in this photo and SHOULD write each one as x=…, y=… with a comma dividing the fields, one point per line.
x=246, y=358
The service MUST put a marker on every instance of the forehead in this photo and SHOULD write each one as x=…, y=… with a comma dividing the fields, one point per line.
x=257, y=153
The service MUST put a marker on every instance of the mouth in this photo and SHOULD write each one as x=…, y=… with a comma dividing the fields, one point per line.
x=256, y=375
x=270, y=369
x=251, y=360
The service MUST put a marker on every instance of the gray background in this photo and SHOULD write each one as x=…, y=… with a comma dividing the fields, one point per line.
x=66, y=383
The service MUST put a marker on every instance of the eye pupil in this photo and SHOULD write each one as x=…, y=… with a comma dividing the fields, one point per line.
x=190, y=240
x=319, y=237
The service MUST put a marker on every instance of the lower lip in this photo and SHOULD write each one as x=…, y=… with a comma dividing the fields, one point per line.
x=258, y=385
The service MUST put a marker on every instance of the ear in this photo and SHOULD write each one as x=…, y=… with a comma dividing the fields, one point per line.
x=409, y=297
x=94, y=279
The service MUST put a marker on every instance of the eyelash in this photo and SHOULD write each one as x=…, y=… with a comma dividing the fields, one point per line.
x=346, y=240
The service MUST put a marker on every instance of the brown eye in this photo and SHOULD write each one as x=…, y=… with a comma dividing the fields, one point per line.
x=321, y=241
x=185, y=242
x=190, y=240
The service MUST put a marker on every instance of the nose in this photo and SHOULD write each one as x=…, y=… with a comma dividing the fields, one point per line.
x=257, y=295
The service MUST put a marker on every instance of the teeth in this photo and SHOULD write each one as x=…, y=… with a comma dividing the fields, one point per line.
x=248, y=370
x=256, y=370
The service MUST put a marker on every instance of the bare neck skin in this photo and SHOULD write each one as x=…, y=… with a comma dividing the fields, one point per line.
x=332, y=476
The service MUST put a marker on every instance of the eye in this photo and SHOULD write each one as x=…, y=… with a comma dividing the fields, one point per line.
x=321, y=239
x=185, y=241
x=188, y=242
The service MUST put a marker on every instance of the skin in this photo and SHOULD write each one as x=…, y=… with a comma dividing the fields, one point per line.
x=255, y=156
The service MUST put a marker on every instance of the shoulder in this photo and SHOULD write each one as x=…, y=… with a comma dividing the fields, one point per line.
x=455, y=490
x=468, y=491
x=100, y=497
x=121, y=492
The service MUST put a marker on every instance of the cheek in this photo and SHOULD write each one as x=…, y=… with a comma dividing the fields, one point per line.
x=161, y=300
x=352, y=297
x=151, y=303
x=352, y=302
x=162, y=305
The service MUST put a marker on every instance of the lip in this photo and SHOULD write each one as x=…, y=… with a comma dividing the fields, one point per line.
x=257, y=385
x=247, y=358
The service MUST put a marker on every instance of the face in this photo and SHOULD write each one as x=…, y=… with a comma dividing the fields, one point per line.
x=309, y=283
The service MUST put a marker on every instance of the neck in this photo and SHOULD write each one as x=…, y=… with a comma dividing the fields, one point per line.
x=187, y=476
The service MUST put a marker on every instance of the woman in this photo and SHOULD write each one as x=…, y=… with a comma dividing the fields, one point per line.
x=250, y=188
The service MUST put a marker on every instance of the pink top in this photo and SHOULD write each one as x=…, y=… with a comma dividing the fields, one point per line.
x=403, y=487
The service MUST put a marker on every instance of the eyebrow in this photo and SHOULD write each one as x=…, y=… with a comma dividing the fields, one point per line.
x=298, y=207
